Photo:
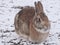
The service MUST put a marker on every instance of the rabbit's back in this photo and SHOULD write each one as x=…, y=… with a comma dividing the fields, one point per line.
x=22, y=20
x=26, y=14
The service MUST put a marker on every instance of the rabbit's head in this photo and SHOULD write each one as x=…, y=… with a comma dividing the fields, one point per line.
x=40, y=20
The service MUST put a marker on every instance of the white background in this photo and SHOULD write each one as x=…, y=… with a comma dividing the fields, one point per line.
x=7, y=14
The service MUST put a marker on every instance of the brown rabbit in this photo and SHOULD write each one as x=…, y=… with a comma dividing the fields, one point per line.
x=33, y=23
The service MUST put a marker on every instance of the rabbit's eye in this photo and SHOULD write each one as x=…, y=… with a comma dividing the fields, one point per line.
x=38, y=20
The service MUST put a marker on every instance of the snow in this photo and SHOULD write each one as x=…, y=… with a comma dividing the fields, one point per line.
x=7, y=14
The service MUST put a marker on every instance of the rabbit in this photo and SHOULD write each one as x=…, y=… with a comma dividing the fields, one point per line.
x=32, y=23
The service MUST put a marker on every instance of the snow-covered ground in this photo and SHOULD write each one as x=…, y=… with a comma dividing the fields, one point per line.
x=7, y=14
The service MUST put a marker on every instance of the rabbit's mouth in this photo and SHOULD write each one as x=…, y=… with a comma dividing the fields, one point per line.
x=42, y=29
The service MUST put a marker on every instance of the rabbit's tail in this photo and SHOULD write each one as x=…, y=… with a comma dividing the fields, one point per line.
x=17, y=7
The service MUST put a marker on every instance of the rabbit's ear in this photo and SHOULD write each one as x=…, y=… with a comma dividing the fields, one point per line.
x=38, y=7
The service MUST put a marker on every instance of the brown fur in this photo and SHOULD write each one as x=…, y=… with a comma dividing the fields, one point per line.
x=30, y=21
